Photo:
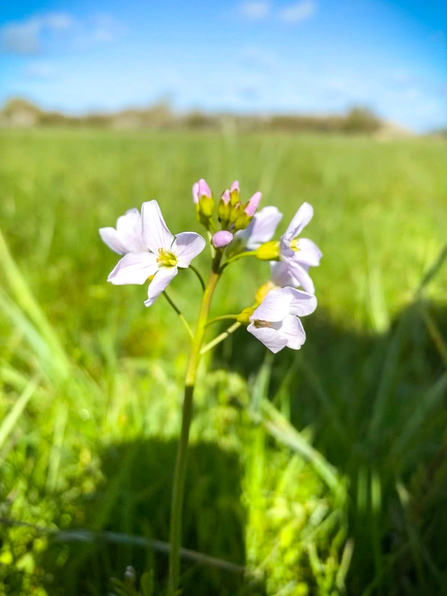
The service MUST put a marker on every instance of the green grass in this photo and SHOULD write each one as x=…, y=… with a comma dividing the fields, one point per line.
x=322, y=472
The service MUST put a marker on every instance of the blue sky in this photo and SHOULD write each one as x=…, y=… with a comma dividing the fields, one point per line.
x=311, y=56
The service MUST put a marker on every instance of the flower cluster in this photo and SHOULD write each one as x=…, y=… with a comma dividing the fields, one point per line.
x=150, y=253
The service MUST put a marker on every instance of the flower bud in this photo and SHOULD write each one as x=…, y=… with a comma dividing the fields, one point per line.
x=224, y=207
x=203, y=201
x=244, y=316
x=263, y=291
x=269, y=251
x=253, y=204
x=222, y=239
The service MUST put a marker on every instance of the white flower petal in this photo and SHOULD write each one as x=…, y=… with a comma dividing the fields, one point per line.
x=111, y=237
x=308, y=252
x=186, y=246
x=292, y=331
x=155, y=231
x=261, y=228
x=300, y=275
x=274, y=307
x=130, y=231
x=134, y=268
x=302, y=303
x=269, y=337
x=281, y=273
x=299, y=221
x=161, y=280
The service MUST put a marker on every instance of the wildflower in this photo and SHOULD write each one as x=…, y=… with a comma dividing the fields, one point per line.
x=160, y=254
x=128, y=235
x=222, y=239
x=261, y=228
x=276, y=323
x=297, y=255
x=234, y=215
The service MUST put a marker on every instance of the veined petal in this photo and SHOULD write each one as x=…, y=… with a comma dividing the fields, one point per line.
x=299, y=221
x=261, y=228
x=269, y=337
x=302, y=278
x=308, y=252
x=134, y=268
x=186, y=246
x=292, y=330
x=155, y=231
x=161, y=280
x=130, y=230
x=111, y=237
x=302, y=303
x=274, y=307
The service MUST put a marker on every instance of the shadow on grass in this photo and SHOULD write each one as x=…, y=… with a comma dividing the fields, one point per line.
x=376, y=405
x=214, y=522
x=377, y=408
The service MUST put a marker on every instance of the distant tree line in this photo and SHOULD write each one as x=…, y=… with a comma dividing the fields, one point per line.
x=20, y=112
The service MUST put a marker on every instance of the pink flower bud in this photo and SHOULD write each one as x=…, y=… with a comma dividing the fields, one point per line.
x=226, y=197
x=253, y=203
x=204, y=189
x=195, y=193
x=222, y=238
x=235, y=185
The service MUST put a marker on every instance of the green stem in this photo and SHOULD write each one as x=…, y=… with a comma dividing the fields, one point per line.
x=209, y=346
x=221, y=318
x=180, y=470
x=241, y=255
x=180, y=315
x=200, y=277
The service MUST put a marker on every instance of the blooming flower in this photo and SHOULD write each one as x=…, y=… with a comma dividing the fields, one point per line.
x=297, y=255
x=128, y=235
x=261, y=229
x=276, y=323
x=158, y=254
x=222, y=238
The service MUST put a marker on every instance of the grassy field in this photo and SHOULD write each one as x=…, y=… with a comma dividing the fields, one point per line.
x=321, y=472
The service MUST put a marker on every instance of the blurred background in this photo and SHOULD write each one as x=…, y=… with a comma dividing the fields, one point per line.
x=318, y=472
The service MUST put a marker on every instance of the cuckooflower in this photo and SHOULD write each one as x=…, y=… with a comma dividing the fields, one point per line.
x=276, y=323
x=158, y=256
x=297, y=255
x=261, y=229
x=128, y=235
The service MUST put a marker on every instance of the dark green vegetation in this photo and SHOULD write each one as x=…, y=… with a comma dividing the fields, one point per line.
x=322, y=472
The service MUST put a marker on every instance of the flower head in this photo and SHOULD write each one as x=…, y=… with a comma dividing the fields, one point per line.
x=297, y=255
x=276, y=323
x=261, y=229
x=159, y=256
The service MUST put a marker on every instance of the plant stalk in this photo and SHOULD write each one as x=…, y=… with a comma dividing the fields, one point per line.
x=178, y=489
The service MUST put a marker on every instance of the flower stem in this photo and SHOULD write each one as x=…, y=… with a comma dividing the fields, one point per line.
x=209, y=346
x=178, y=489
x=221, y=318
x=180, y=314
x=241, y=255
x=200, y=277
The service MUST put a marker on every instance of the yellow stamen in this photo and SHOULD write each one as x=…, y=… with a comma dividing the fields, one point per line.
x=166, y=259
x=294, y=245
x=259, y=324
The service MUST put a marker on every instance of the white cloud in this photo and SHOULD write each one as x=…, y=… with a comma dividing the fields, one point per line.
x=295, y=13
x=103, y=28
x=255, y=10
x=25, y=37
x=260, y=10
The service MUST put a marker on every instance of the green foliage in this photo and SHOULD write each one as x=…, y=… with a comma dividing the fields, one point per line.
x=316, y=473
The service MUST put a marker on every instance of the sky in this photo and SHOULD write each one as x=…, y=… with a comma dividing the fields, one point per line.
x=252, y=56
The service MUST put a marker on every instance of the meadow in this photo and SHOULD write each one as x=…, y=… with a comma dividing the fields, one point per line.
x=319, y=472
